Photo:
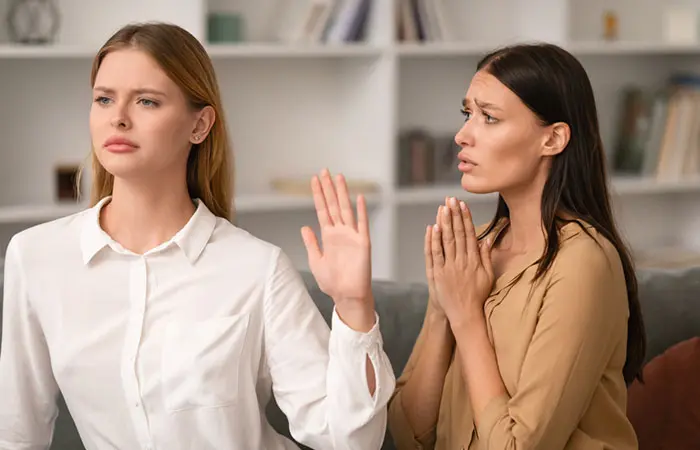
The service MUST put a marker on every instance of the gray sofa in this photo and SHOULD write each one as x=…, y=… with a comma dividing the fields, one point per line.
x=670, y=301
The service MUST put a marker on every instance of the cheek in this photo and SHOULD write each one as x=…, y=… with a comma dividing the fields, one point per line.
x=165, y=128
x=510, y=155
x=98, y=124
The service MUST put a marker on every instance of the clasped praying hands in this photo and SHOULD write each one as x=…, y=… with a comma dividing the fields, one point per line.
x=458, y=266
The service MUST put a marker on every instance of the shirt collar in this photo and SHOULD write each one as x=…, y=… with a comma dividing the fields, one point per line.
x=191, y=239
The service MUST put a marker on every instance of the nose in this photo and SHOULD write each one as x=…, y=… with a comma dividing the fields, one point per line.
x=465, y=136
x=121, y=118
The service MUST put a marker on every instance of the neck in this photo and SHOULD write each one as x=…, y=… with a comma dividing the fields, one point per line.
x=525, y=230
x=142, y=217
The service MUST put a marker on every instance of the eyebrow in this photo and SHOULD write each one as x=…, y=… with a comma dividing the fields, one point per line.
x=107, y=90
x=481, y=105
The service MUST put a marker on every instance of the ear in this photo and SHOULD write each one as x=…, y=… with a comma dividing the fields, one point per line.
x=556, y=139
x=204, y=120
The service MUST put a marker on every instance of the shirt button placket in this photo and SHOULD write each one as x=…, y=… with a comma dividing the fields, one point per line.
x=138, y=291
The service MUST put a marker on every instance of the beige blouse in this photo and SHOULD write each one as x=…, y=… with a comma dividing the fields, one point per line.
x=561, y=346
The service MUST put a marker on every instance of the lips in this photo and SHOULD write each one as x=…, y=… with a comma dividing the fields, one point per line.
x=465, y=164
x=119, y=144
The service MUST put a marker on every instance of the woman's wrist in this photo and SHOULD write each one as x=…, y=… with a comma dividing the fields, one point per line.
x=359, y=315
x=471, y=318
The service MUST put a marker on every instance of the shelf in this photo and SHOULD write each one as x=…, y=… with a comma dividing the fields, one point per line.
x=216, y=51
x=424, y=195
x=593, y=48
x=631, y=185
x=246, y=203
x=621, y=185
x=408, y=50
x=430, y=49
x=36, y=213
x=220, y=51
x=622, y=48
x=18, y=51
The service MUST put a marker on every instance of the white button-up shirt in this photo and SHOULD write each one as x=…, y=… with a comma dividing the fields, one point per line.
x=178, y=348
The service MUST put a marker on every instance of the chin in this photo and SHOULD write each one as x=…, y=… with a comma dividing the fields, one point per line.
x=122, y=166
x=476, y=185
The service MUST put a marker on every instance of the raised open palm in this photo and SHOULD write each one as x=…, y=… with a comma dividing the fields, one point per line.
x=342, y=264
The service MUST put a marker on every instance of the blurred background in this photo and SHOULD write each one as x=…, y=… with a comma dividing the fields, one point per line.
x=370, y=88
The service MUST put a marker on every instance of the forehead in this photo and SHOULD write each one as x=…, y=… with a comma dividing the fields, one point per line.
x=486, y=88
x=131, y=68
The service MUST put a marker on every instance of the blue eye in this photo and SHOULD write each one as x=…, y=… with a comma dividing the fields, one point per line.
x=466, y=114
x=148, y=103
x=102, y=100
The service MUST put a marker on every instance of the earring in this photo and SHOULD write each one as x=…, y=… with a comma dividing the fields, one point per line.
x=196, y=138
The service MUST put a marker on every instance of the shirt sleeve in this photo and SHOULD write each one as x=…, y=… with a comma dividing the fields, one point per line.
x=319, y=375
x=28, y=390
x=582, y=319
x=402, y=433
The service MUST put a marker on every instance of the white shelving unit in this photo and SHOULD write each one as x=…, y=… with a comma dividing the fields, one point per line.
x=294, y=109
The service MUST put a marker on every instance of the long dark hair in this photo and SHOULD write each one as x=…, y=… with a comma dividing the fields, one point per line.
x=554, y=85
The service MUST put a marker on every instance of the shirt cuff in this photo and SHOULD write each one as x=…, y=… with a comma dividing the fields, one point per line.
x=494, y=411
x=346, y=335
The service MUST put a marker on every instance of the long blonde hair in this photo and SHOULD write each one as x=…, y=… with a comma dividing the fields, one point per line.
x=185, y=61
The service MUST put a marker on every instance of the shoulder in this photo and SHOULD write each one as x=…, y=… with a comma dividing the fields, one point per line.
x=232, y=245
x=587, y=272
x=48, y=239
x=586, y=250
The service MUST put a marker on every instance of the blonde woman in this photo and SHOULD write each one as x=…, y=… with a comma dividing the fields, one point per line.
x=163, y=325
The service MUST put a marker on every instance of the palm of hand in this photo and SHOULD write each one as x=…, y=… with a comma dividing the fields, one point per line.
x=342, y=268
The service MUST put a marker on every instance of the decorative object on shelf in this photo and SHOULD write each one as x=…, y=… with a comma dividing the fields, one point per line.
x=446, y=162
x=423, y=21
x=633, y=131
x=610, y=26
x=301, y=186
x=66, y=182
x=320, y=21
x=33, y=22
x=427, y=158
x=416, y=158
x=225, y=28
x=680, y=25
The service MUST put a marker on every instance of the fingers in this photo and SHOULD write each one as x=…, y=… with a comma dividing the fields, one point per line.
x=362, y=219
x=485, y=253
x=330, y=196
x=311, y=243
x=448, y=238
x=436, y=247
x=324, y=219
x=458, y=229
x=346, y=213
x=470, y=233
x=427, y=247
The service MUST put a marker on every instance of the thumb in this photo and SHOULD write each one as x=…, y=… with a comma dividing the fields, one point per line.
x=311, y=243
x=485, y=253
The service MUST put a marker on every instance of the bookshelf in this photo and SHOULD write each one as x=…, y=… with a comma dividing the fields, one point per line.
x=295, y=106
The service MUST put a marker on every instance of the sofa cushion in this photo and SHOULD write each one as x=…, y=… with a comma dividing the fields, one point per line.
x=670, y=301
x=664, y=410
